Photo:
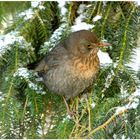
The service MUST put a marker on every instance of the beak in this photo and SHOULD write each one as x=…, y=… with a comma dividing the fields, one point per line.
x=103, y=44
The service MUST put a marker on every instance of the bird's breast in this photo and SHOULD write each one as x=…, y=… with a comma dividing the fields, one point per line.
x=71, y=77
x=85, y=67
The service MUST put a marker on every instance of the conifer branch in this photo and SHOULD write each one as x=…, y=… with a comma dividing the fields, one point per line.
x=125, y=37
x=104, y=125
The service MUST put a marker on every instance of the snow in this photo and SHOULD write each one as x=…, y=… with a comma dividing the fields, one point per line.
x=79, y=19
x=81, y=26
x=135, y=64
x=124, y=93
x=123, y=137
x=68, y=117
x=1, y=96
x=54, y=39
x=81, y=8
x=8, y=39
x=120, y=109
x=104, y=57
x=96, y=18
x=22, y=72
x=57, y=34
x=132, y=104
x=36, y=88
x=35, y=3
x=137, y=2
x=114, y=136
x=61, y=5
x=109, y=79
x=137, y=93
x=28, y=14
x=33, y=86
x=93, y=105
x=41, y=7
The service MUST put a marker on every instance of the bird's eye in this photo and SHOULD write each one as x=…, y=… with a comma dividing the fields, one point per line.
x=88, y=45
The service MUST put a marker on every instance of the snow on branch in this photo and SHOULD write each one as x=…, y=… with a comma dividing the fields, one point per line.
x=58, y=33
x=61, y=5
x=105, y=124
x=24, y=73
x=133, y=102
x=79, y=21
x=7, y=40
x=29, y=13
x=54, y=39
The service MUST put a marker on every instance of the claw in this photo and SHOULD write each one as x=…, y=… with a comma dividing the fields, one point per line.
x=71, y=113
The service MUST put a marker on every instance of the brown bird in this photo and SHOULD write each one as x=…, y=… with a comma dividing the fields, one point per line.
x=72, y=65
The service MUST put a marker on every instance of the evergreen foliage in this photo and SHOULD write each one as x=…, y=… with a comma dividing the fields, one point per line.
x=29, y=110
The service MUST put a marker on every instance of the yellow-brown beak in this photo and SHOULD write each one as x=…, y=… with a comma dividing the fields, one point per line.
x=103, y=44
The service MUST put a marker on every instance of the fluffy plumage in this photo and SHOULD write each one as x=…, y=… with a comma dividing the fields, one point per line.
x=72, y=65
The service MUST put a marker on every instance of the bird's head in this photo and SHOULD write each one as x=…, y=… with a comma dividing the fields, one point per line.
x=84, y=43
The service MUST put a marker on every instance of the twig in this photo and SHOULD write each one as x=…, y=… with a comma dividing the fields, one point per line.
x=106, y=123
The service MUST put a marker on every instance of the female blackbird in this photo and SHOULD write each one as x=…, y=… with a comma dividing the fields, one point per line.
x=72, y=65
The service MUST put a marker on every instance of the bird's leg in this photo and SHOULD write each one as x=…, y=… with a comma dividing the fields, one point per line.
x=67, y=107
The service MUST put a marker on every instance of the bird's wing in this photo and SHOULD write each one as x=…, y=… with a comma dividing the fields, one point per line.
x=54, y=58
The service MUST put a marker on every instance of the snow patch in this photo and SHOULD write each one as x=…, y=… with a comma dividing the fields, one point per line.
x=104, y=57
x=2, y=97
x=35, y=3
x=41, y=7
x=137, y=2
x=22, y=72
x=27, y=14
x=120, y=109
x=68, y=117
x=132, y=104
x=96, y=18
x=137, y=93
x=135, y=64
x=36, y=88
x=81, y=8
x=8, y=39
x=124, y=93
x=61, y=5
x=93, y=105
x=81, y=26
x=79, y=21
x=54, y=39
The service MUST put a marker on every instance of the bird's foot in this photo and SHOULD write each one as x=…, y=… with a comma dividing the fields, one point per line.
x=70, y=113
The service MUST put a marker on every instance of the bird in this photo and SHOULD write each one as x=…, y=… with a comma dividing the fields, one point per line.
x=72, y=65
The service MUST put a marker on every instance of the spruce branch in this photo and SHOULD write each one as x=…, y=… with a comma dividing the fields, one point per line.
x=105, y=19
x=105, y=124
x=124, y=40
